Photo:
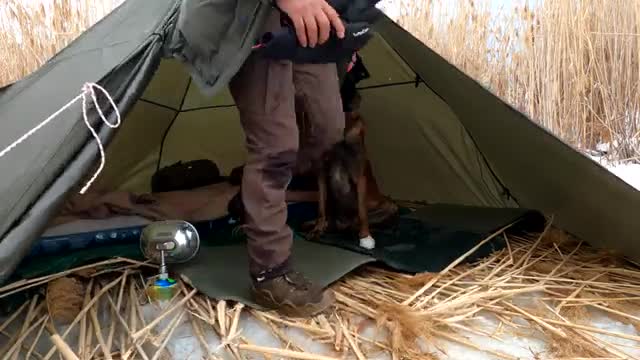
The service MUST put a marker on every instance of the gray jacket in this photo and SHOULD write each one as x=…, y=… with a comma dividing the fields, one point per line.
x=213, y=38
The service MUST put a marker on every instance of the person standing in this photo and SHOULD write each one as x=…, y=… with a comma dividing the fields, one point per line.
x=265, y=92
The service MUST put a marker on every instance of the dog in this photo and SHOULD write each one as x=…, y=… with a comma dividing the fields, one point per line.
x=345, y=181
x=342, y=183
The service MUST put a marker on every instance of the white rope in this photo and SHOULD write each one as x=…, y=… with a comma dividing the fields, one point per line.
x=87, y=89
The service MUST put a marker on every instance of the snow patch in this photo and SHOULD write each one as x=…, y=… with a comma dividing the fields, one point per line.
x=628, y=171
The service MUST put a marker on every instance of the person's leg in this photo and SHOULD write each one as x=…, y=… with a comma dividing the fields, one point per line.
x=260, y=90
x=263, y=91
x=318, y=89
x=302, y=166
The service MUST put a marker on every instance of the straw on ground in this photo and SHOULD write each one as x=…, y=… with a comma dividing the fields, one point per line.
x=545, y=284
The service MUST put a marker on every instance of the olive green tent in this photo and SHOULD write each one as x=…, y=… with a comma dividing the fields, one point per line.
x=434, y=134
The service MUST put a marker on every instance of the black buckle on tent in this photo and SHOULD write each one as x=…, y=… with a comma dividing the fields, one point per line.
x=417, y=80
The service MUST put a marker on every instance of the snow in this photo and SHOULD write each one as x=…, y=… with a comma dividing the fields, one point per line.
x=625, y=170
x=185, y=345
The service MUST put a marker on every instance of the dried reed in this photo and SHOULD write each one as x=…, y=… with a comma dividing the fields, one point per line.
x=536, y=284
x=573, y=66
x=32, y=32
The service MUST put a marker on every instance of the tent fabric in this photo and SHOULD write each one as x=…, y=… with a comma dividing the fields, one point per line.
x=434, y=134
x=540, y=170
x=121, y=52
x=110, y=48
x=188, y=125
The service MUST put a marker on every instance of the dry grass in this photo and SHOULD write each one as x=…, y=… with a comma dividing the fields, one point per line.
x=32, y=32
x=574, y=66
x=537, y=302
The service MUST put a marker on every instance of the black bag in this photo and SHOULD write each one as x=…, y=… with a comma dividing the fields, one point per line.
x=186, y=176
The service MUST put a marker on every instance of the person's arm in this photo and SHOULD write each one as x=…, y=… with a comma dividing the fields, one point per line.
x=312, y=20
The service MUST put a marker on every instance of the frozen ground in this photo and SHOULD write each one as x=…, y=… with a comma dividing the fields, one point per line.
x=627, y=171
x=184, y=345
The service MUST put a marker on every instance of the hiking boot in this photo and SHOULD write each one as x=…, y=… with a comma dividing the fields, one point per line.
x=292, y=295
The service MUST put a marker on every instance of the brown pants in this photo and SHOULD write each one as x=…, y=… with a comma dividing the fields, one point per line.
x=265, y=93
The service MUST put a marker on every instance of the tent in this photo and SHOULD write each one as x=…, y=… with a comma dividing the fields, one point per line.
x=435, y=134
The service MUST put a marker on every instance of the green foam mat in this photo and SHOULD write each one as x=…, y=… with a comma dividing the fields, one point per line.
x=426, y=239
x=433, y=236
x=222, y=272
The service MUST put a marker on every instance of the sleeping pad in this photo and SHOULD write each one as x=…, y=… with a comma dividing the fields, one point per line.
x=426, y=238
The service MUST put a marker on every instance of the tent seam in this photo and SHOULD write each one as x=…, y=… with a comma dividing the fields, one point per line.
x=506, y=190
x=175, y=117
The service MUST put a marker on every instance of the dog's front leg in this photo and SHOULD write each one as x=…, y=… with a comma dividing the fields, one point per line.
x=366, y=241
x=321, y=222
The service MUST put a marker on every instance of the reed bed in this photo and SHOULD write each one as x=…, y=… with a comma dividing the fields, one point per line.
x=545, y=286
x=32, y=32
x=573, y=66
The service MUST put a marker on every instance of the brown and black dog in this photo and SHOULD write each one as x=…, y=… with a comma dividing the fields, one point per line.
x=342, y=184
x=347, y=191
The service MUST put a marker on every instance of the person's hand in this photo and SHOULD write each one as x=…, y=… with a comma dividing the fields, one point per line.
x=312, y=20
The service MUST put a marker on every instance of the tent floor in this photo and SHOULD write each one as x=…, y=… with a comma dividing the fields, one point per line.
x=502, y=306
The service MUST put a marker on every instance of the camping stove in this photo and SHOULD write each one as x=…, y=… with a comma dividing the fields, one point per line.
x=163, y=242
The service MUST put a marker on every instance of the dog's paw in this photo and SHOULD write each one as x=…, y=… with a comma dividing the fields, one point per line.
x=318, y=230
x=368, y=242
